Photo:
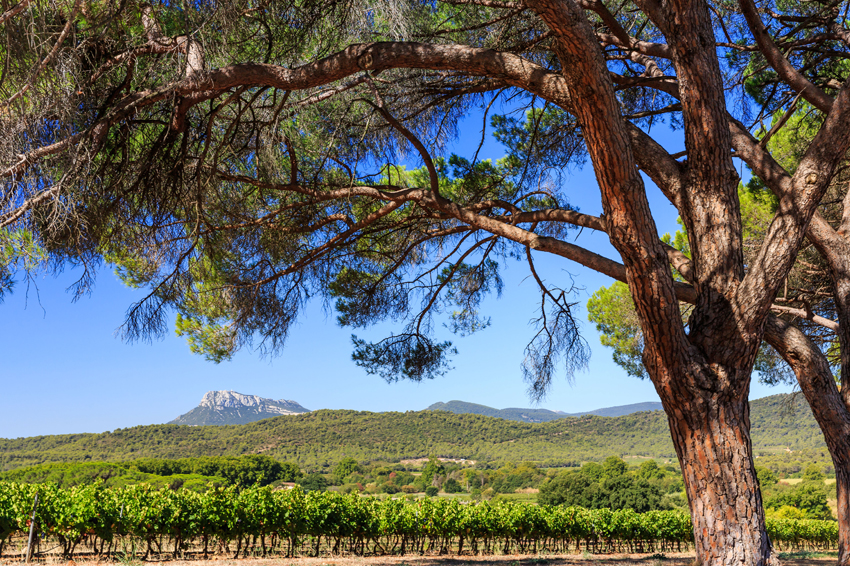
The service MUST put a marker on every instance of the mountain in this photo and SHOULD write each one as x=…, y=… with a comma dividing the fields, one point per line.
x=621, y=410
x=538, y=415
x=230, y=407
x=780, y=424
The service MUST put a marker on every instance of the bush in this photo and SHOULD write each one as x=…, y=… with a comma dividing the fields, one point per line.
x=409, y=489
x=785, y=512
x=766, y=477
x=573, y=488
x=628, y=492
x=614, y=467
x=813, y=473
x=808, y=498
x=649, y=470
x=625, y=491
x=452, y=486
x=345, y=468
x=433, y=468
x=314, y=482
x=431, y=491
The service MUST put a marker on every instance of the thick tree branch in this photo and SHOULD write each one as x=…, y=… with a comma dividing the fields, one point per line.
x=409, y=136
x=797, y=206
x=14, y=11
x=806, y=314
x=630, y=225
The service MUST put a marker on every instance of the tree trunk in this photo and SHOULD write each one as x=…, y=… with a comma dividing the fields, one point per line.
x=831, y=406
x=828, y=407
x=836, y=428
x=842, y=484
x=712, y=441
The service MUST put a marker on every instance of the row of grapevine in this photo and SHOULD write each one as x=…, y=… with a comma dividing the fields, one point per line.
x=259, y=521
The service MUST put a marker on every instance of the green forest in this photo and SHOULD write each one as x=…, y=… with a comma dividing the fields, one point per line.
x=197, y=474
x=320, y=439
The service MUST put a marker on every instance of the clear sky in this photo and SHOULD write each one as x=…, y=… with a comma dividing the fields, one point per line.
x=64, y=369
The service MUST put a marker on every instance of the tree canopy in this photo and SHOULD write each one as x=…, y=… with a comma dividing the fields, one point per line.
x=240, y=158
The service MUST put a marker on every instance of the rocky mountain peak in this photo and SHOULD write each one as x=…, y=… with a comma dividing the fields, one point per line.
x=230, y=399
x=231, y=407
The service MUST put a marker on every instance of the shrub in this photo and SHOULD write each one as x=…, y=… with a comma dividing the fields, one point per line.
x=766, y=477
x=809, y=498
x=345, y=468
x=314, y=482
x=813, y=473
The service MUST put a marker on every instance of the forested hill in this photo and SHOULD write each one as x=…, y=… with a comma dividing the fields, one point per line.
x=325, y=437
x=524, y=415
x=538, y=415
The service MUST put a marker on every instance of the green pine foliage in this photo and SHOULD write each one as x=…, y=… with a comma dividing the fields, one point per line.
x=613, y=312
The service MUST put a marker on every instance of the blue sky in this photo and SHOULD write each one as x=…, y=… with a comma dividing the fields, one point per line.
x=65, y=370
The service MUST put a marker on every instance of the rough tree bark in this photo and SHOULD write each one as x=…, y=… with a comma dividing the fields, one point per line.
x=702, y=381
x=712, y=439
x=818, y=386
x=830, y=406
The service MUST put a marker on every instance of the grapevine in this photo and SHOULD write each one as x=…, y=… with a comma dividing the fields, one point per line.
x=261, y=521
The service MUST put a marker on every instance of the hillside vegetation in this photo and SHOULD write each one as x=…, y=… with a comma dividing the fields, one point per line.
x=538, y=415
x=322, y=438
x=191, y=473
x=511, y=414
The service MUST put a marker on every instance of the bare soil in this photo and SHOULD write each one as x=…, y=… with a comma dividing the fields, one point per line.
x=667, y=559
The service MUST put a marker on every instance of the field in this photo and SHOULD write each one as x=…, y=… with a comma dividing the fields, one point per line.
x=795, y=481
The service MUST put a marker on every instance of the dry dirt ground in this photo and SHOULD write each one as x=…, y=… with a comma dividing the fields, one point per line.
x=669, y=559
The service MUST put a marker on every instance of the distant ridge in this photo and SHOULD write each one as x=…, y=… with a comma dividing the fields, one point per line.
x=322, y=438
x=230, y=407
x=538, y=415
x=621, y=410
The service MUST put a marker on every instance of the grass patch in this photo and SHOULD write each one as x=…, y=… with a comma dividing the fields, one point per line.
x=527, y=497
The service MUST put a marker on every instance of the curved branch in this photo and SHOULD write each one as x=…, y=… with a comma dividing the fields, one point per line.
x=818, y=98
x=46, y=61
x=14, y=11
x=423, y=152
x=797, y=206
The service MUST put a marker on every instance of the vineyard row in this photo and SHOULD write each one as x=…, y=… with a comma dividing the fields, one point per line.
x=261, y=521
